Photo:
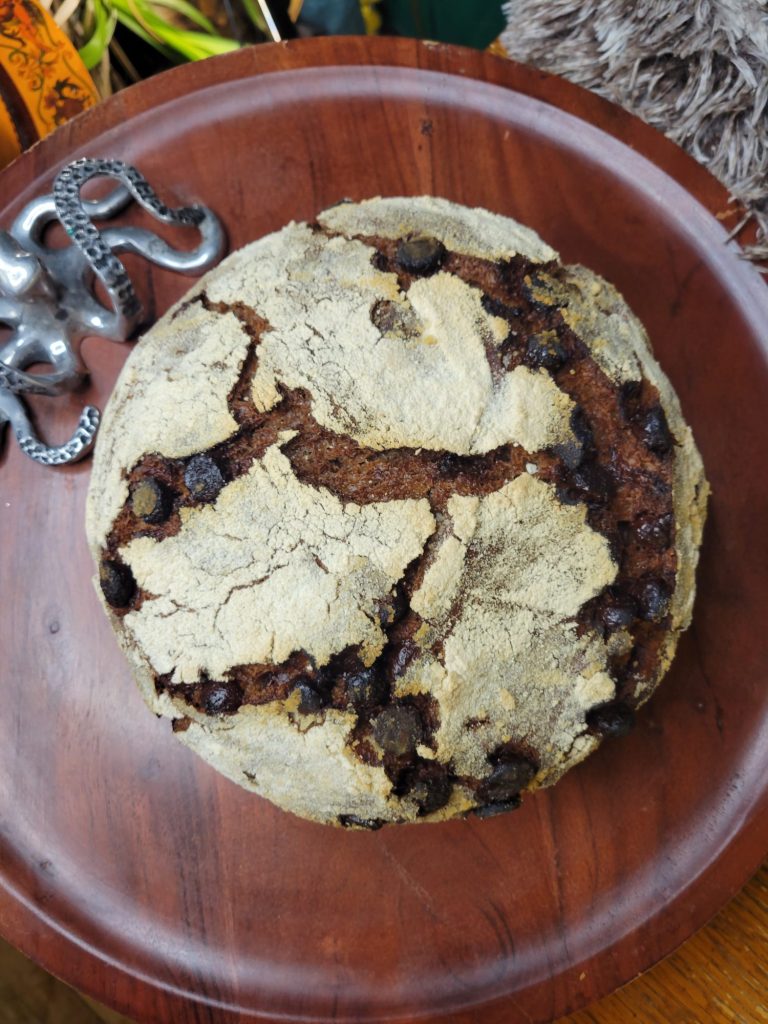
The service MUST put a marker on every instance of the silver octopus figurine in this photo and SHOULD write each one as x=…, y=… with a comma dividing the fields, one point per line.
x=47, y=298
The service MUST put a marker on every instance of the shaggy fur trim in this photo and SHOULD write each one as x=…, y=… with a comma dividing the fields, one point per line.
x=695, y=69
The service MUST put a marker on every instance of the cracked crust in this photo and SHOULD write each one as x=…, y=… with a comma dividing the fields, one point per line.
x=493, y=656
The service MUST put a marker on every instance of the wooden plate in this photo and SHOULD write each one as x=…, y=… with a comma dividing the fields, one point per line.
x=133, y=870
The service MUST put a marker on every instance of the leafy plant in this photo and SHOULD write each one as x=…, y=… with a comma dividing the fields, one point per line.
x=176, y=29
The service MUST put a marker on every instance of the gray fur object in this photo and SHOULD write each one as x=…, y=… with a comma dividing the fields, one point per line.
x=695, y=69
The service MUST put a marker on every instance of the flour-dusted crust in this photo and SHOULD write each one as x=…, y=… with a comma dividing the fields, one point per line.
x=448, y=523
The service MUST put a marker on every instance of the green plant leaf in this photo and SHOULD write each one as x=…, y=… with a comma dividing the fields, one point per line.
x=254, y=13
x=188, y=11
x=104, y=21
x=126, y=18
x=174, y=43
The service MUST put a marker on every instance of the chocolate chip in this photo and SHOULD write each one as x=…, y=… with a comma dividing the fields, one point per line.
x=656, y=433
x=150, y=501
x=491, y=810
x=630, y=390
x=203, y=478
x=630, y=393
x=654, y=600
x=401, y=657
x=398, y=729
x=117, y=583
x=507, y=780
x=449, y=464
x=618, y=616
x=352, y=821
x=380, y=262
x=571, y=453
x=611, y=719
x=420, y=255
x=590, y=482
x=544, y=351
x=221, y=698
x=656, y=532
x=310, y=701
x=495, y=307
x=365, y=689
x=429, y=786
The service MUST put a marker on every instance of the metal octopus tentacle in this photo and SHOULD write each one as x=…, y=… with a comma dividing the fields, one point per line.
x=79, y=445
x=46, y=292
x=89, y=240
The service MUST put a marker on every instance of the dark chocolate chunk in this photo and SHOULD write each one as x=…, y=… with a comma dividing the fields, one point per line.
x=571, y=453
x=221, y=698
x=656, y=532
x=310, y=701
x=507, y=780
x=150, y=501
x=491, y=810
x=544, y=351
x=398, y=729
x=449, y=464
x=656, y=432
x=630, y=394
x=420, y=255
x=630, y=390
x=352, y=821
x=380, y=262
x=574, y=453
x=654, y=600
x=590, y=482
x=117, y=583
x=365, y=689
x=429, y=785
x=203, y=478
x=495, y=307
x=611, y=719
x=619, y=615
x=401, y=657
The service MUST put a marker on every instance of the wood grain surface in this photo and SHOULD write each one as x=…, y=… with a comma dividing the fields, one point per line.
x=720, y=976
x=135, y=872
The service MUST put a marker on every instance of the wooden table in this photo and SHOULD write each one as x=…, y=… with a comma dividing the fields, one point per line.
x=720, y=976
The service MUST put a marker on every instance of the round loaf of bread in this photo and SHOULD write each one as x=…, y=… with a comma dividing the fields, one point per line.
x=395, y=516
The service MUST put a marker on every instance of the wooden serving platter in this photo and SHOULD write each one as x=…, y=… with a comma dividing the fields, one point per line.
x=130, y=868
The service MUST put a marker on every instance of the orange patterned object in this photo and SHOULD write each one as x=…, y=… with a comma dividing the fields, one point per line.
x=43, y=82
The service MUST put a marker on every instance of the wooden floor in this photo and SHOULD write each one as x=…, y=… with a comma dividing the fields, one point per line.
x=719, y=977
x=30, y=996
